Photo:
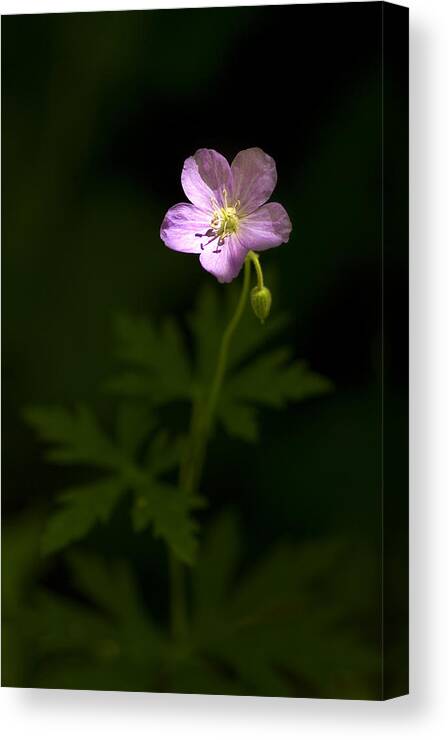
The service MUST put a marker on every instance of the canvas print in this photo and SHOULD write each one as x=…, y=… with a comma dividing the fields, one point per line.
x=205, y=360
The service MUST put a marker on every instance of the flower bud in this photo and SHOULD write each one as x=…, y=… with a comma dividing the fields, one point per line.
x=261, y=301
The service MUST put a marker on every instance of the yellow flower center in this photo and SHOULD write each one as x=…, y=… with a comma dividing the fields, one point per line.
x=224, y=222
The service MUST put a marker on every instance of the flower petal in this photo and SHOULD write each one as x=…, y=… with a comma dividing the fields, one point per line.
x=226, y=264
x=269, y=226
x=254, y=178
x=204, y=176
x=181, y=225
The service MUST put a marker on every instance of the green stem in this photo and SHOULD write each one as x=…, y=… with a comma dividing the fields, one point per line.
x=225, y=343
x=256, y=260
x=201, y=424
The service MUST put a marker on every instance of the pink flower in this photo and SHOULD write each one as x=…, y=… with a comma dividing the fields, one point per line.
x=228, y=214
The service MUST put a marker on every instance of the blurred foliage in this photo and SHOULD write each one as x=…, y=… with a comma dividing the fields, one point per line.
x=273, y=628
x=77, y=438
x=277, y=627
x=258, y=375
x=161, y=373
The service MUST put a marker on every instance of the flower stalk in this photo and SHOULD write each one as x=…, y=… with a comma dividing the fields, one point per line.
x=227, y=338
x=200, y=428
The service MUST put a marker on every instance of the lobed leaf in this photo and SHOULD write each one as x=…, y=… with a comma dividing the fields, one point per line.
x=157, y=363
x=75, y=436
x=255, y=374
x=269, y=381
x=168, y=510
x=239, y=420
x=273, y=381
x=80, y=509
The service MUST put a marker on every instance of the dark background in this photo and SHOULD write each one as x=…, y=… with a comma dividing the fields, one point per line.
x=99, y=112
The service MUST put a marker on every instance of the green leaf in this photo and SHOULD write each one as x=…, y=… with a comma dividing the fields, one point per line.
x=165, y=453
x=168, y=510
x=157, y=365
x=272, y=380
x=80, y=508
x=238, y=419
x=158, y=370
x=256, y=375
x=75, y=436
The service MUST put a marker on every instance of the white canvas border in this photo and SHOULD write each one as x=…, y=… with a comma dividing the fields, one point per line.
x=56, y=714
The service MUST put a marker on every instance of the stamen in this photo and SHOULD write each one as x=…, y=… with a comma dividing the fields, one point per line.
x=209, y=241
x=209, y=232
x=223, y=223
